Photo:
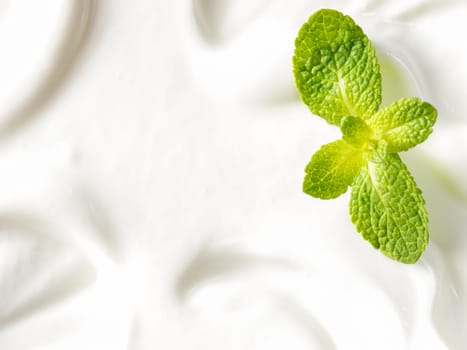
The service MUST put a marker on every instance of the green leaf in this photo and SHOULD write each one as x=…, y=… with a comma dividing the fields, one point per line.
x=404, y=123
x=355, y=130
x=338, y=76
x=332, y=170
x=388, y=209
x=336, y=69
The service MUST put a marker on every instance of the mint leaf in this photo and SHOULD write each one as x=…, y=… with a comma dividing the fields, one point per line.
x=355, y=130
x=335, y=67
x=388, y=209
x=404, y=123
x=337, y=74
x=332, y=169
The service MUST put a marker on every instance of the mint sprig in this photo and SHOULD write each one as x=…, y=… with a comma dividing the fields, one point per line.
x=338, y=76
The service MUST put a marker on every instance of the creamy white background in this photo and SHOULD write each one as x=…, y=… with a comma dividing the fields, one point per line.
x=151, y=159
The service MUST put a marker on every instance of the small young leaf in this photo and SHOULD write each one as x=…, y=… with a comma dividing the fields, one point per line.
x=404, y=124
x=388, y=209
x=332, y=170
x=335, y=67
x=355, y=130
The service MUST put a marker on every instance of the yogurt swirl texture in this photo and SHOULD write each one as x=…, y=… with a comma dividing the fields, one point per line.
x=151, y=159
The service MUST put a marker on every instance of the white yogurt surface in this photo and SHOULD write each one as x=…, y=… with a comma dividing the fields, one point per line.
x=151, y=161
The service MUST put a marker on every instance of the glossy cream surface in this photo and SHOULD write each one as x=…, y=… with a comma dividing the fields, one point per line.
x=151, y=161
